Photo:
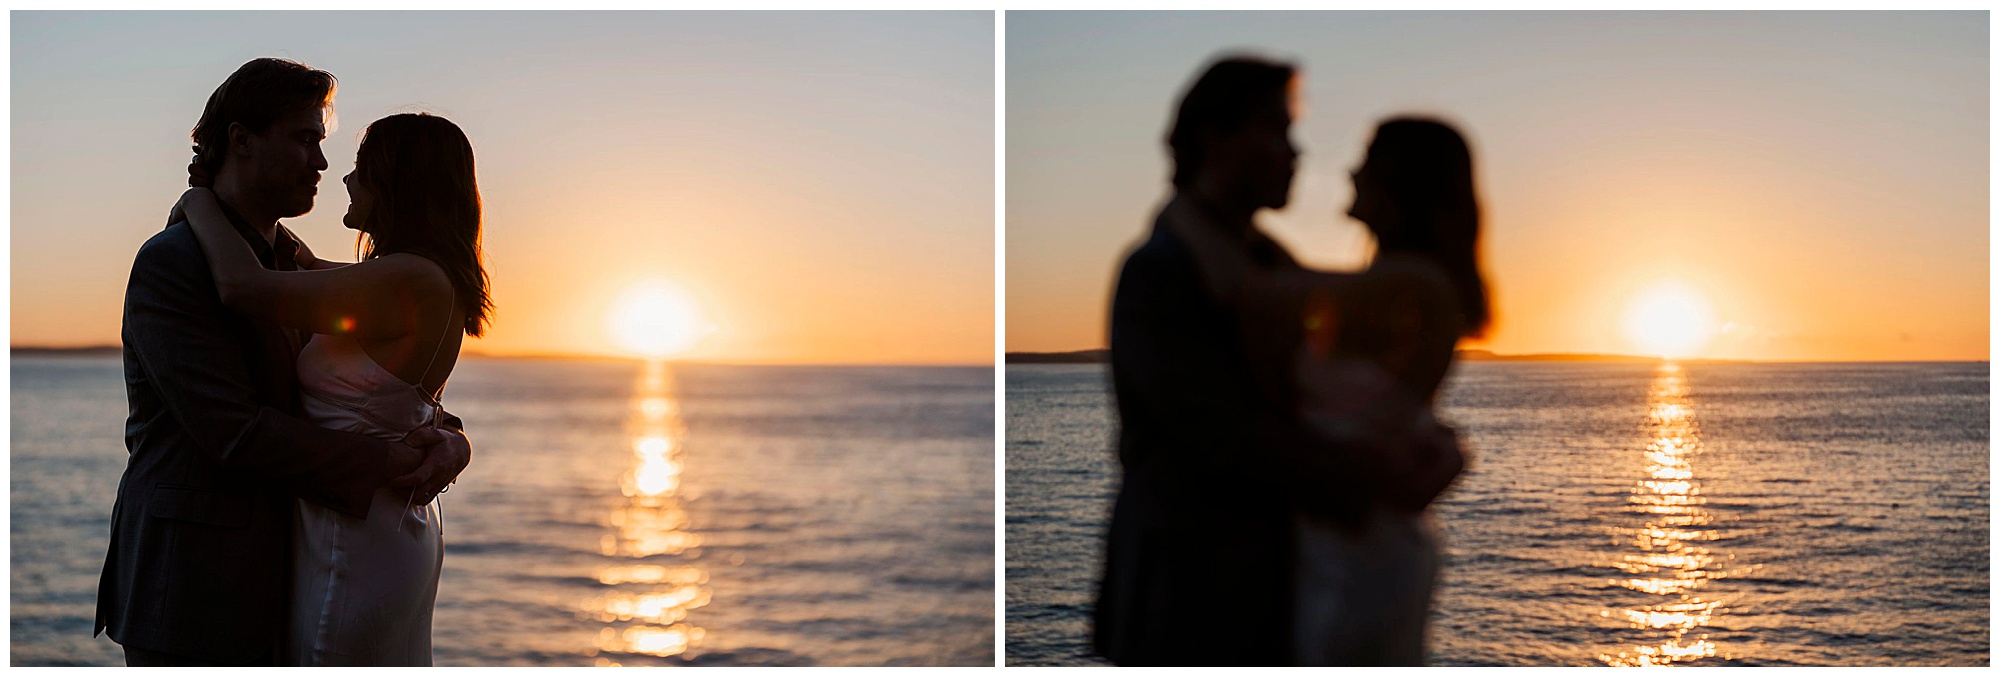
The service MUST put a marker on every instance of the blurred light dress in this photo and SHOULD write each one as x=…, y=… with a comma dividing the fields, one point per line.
x=1362, y=591
x=1363, y=596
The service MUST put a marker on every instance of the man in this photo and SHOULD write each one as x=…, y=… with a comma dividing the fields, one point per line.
x=199, y=565
x=1198, y=561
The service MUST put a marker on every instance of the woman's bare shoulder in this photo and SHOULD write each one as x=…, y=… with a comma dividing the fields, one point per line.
x=414, y=269
x=1414, y=298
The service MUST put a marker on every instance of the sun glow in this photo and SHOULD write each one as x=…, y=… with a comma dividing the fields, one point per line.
x=1669, y=319
x=657, y=319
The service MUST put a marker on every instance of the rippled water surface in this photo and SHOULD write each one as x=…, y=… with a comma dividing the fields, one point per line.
x=1712, y=514
x=615, y=514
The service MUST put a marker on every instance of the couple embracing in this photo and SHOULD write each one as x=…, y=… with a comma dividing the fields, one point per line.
x=285, y=436
x=1277, y=440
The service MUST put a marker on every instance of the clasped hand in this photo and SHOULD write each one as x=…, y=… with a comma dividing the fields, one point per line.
x=429, y=460
x=1391, y=433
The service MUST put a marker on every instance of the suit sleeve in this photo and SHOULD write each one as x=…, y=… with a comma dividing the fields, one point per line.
x=1159, y=356
x=177, y=326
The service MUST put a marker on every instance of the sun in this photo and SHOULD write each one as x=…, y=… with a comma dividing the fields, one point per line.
x=656, y=319
x=1669, y=319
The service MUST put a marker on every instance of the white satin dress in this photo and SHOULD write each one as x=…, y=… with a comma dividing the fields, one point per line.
x=363, y=590
x=1363, y=596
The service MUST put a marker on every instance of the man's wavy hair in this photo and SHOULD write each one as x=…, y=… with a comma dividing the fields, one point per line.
x=258, y=93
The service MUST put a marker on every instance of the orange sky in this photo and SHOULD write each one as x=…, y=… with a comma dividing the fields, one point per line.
x=1820, y=178
x=821, y=183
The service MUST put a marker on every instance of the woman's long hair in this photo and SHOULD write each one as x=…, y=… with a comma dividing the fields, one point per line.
x=1424, y=168
x=419, y=168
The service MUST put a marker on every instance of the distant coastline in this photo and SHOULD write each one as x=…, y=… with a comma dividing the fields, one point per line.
x=117, y=351
x=66, y=351
x=1100, y=356
x=114, y=351
x=1490, y=356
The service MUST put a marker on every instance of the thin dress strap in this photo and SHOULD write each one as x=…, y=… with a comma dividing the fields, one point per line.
x=438, y=349
x=437, y=409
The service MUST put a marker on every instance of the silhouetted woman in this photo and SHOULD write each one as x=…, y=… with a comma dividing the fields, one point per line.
x=386, y=335
x=1348, y=351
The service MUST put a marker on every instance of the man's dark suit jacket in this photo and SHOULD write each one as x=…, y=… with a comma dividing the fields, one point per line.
x=1198, y=562
x=200, y=557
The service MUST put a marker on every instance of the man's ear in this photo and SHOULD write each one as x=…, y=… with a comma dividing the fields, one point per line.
x=1217, y=146
x=239, y=139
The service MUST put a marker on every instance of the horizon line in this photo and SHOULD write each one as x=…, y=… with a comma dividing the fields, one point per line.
x=95, y=349
x=1561, y=357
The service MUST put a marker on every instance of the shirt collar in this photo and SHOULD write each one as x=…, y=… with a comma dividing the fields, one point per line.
x=280, y=253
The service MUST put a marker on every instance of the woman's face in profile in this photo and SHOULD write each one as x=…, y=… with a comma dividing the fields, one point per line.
x=359, y=203
x=1369, y=205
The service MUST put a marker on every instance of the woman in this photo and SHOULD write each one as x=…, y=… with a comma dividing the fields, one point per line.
x=386, y=335
x=1355, y=352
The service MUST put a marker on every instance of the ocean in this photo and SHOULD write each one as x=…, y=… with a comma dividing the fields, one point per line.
x=614, y=513
x=1616, y=514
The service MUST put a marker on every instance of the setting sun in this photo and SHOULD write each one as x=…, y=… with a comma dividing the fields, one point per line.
x=1669, y=319
x=657, y=319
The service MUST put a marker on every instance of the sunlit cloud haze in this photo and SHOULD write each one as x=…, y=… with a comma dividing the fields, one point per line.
x=819, y=184
x=1808, y=186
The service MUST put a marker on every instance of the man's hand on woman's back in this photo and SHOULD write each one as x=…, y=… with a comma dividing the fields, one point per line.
x=428, y=460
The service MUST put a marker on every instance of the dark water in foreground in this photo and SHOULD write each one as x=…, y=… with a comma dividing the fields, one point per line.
x=702, y=515
x=1726, y=514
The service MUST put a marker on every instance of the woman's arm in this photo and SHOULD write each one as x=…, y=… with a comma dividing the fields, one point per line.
x=308, y=261
x=1416, y=311
x=231, y=261
x=375, y=299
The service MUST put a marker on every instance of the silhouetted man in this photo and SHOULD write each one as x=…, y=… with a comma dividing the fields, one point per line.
x=199, y=565
x=1198, y=562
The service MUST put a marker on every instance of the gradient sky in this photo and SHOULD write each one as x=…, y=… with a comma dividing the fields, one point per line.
x=821, y=182
x=1821, y=178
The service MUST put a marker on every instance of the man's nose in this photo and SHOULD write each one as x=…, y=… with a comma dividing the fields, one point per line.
x=318, y=160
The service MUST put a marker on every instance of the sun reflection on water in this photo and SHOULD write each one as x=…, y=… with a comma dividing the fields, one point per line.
x=1668, y=559
x=652, y=586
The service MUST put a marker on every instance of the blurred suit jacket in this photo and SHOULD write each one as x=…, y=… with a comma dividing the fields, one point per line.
x=199, y=563
x=1198, y=561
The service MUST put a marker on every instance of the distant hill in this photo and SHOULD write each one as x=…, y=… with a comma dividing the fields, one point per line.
x=114, y=351
x=1073, y=357
x=72, y=351
x=1101, y=355
x=1471, y=355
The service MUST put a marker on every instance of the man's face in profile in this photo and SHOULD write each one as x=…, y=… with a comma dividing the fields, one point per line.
x=1273, y=158
x=283, y=162
x=1261, y=156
